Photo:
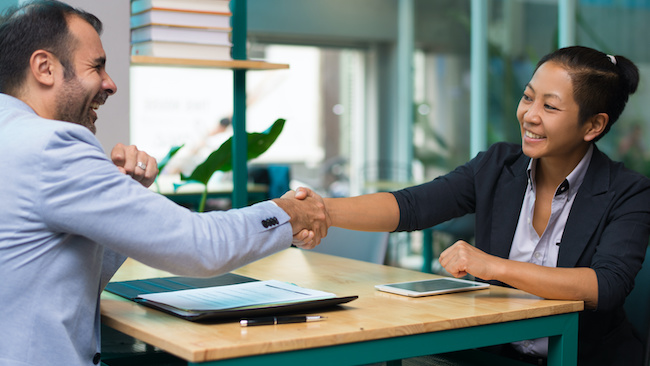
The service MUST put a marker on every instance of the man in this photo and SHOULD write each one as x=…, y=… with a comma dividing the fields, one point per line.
x=70, y=217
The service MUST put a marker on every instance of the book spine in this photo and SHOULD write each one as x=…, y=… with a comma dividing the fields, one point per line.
x=180, y=10
x=180, y=34
x=211, y=6
x=177, y=18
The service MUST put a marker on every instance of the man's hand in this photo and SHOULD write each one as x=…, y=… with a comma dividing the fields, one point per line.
x=138, y=164
x=309, y=218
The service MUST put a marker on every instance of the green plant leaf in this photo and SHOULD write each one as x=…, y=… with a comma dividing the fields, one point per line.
x=163, y=162
x=221, y=159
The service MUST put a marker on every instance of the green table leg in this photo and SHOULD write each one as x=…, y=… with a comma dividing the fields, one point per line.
x=427, y=250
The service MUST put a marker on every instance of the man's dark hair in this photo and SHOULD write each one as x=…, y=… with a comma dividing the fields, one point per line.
x=36, y=25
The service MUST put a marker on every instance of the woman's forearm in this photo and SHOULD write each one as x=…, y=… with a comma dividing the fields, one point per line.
x=552, y=282
x=547, y=282
x=370, y=212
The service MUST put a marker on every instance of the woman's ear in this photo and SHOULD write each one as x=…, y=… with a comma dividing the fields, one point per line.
x=42, y=66
x=595, y=126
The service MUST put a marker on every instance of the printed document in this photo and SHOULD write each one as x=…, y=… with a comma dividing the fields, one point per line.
x=250, y=294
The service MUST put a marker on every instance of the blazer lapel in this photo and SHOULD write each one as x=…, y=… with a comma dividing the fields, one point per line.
x=587, y=211
x=507, y=206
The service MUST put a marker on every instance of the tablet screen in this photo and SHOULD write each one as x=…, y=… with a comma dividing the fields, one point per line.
x=431, y=287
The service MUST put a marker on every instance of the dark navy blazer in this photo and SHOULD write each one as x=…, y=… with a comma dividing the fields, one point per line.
x=607, y=230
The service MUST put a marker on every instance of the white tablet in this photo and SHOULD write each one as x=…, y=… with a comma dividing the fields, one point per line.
x=432, y=287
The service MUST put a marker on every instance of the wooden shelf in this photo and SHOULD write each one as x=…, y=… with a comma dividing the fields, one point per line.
x=212, y=64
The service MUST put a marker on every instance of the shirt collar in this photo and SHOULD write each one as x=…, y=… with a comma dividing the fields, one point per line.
x=574, y=179
x=7, y=100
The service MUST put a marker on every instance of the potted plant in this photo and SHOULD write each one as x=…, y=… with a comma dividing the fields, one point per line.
x=221, y=159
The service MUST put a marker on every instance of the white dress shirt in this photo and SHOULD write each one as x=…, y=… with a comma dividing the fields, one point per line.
x=528, y=246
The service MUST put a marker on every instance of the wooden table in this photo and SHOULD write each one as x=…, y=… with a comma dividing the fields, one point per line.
x=376, y=327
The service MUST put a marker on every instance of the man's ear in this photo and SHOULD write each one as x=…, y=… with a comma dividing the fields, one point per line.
x=595, y=126
x=42, y=66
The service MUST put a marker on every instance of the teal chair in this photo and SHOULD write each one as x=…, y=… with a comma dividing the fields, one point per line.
x=360, y=245
x=637, y=305
x=276, y=177
x=458, y=228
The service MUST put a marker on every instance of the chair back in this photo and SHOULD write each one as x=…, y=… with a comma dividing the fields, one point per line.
x=636, y=305
x=276, y=177
x=360, y=245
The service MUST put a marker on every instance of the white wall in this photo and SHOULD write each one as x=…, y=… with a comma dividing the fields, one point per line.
x=113, y=122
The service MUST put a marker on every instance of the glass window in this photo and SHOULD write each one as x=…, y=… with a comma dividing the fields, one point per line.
x=519, y=34
x=320, y=96
x=617, y=28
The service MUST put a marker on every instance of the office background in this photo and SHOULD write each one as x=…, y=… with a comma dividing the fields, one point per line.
x=379, y=92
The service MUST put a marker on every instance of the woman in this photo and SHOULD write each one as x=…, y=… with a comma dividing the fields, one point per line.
x=554, y=216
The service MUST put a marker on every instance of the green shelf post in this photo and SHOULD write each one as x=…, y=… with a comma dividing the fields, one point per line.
x=240, y=142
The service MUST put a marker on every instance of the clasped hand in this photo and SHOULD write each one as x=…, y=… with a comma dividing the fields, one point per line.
x=309, y=218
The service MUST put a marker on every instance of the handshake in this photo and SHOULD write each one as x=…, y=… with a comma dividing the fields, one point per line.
x=309, y=217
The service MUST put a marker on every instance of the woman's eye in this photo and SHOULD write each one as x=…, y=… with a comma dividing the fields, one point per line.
x=550, y=107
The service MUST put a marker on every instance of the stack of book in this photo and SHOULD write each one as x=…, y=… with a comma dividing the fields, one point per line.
x=195, y=29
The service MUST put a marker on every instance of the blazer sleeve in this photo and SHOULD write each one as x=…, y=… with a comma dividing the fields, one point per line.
x=81, y=192
x=620, y=246
x=459, y=192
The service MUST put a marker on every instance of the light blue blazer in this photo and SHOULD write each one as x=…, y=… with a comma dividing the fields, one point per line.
x=68, y=220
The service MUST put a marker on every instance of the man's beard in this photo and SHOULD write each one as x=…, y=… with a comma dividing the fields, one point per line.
x=72, y=106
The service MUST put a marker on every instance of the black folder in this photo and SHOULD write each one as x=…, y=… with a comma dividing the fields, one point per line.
x=132, y=289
